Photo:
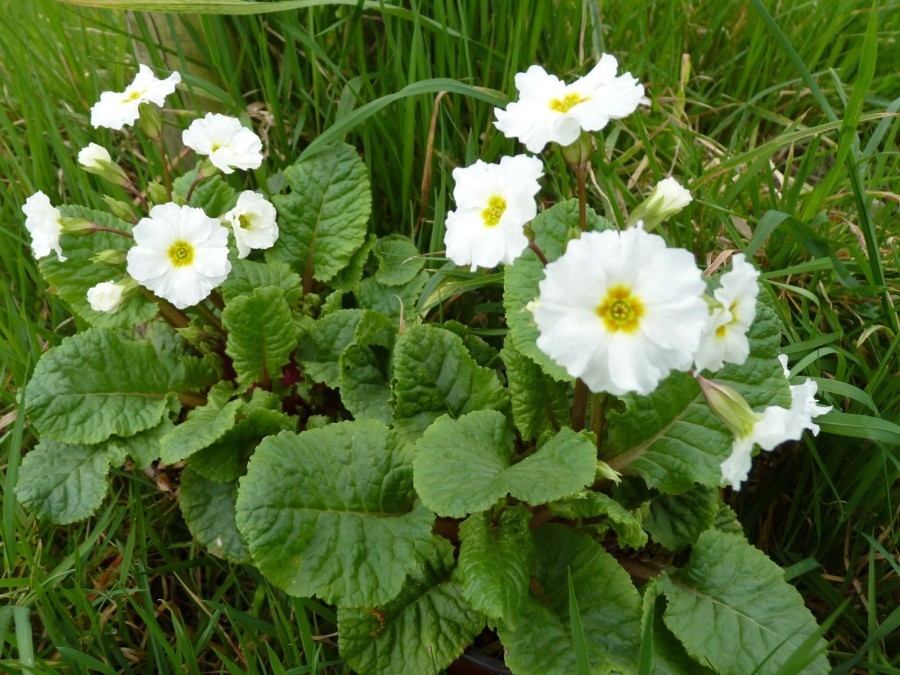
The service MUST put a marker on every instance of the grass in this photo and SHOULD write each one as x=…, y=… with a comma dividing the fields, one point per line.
x=787, y=142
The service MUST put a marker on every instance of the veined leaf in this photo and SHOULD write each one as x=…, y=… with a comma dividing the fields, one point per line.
x=208, y=510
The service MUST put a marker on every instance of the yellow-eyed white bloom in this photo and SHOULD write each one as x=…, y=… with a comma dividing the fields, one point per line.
x=105, y=296
x=551, y=111
x=253, y=222
x=228, y=144
x=621, y=310
x=493, y=203
x=724, y=338
x=180, y=253
x=115, y=109
x=42, y=220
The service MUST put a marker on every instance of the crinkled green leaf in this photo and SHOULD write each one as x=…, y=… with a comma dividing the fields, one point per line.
x=203, y=426
x=246, y=276
x=350, y=276
x=330, y=336
x=143, y=447
x=540, y=640
x=667, y=653
x=464, y=466
x=64, y=482
x=261, y=334
x=213, y=195
x=202, y=372
x=399, y=261
x=539, y=403
x=364, y=383
x=226, y=458
x=434, y=375
x=731, y=607
x=421, y=631
x=595, y=504
x=552, y=230
x=727, y=520
x=72, y=279
x=675, y=521
x=495, y=562
x=208, y=510
x=672, y=439
x=388, y=300
x=332, y=512
x=479, y=349
x=323, y=221
x=97, y=384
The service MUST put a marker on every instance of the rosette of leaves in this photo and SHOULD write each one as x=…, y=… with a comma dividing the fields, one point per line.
x=400, y=471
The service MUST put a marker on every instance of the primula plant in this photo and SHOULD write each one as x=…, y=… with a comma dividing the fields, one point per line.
x=560, y=485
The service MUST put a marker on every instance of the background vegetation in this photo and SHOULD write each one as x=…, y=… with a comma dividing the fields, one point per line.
x=786, y=140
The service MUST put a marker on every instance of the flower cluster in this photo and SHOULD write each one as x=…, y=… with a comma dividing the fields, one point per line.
x=180, y=253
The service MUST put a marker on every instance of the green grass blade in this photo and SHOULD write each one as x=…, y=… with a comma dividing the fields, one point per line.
x=579, y=640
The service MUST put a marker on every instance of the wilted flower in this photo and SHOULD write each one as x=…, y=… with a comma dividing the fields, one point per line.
x=620, y=310
x=228, y=144
x=550, y=111
x=116, y=109
x=493, y=203
x=42, y=220
x=666, y=199
x=724, y=338
x=253, y=222
x=180, y=254
x=105, y=296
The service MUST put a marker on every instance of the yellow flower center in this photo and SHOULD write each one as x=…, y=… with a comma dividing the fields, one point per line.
x=244, y=222
x=620, y=310
x=181, y=253
x=494, y=211
x=722, y=330
x=567, y=102
x=134, y=96
x=215, y=146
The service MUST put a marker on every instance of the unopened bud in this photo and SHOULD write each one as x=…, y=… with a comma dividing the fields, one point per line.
x=106, y=296
x=667, y=199
x=578, y=154
x=151, y=120
x=729, y=406
x=111, y=257
x=121, y=210
x=158, y=194
x=206, y=169
x=95, y=159
x=76, y=226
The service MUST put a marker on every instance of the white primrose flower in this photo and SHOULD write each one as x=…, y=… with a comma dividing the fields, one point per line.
x=42, y=220
x=724, y=338
x=180, y=253
x=493, y=203
x=253, y=222
x=228, y=144
x=550, y=111
x=620, y=310
x=105, y=296
x=667, y=198
x=116, y=109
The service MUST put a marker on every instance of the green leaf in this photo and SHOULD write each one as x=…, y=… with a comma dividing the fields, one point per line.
x=540, y=640
x=388, y=300
x=666, y=654
x=322, y=222
x=495, y=562
x=364, y=383
x=421, y=631
x=672, y=439
x=143, y=448
x=464, y=466
x=226, y=458
x=539, y=403
x=332, y=512
x=246, y=276
x=213, y=195
x=64, y=482
x=72, y=279
x=208, y=510
x=589, y=504
x=203, y=426
x=731, y=607
x=97, y=384
x=552, y=230
x=261, y=335
x=675, y=521
x=349, y=277
x=433, y=375
x=399, y=261
x=480, y=350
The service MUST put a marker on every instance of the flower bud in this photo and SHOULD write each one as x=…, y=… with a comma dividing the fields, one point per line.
x=578, y=154
x=157, y=192
x=151, y=120
x=95, y=159
x=729, y=406
x=207, y=169
x=667, y=199
x=111, y=257
x=119, y=209
x=76, y=226
x=105, y=297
